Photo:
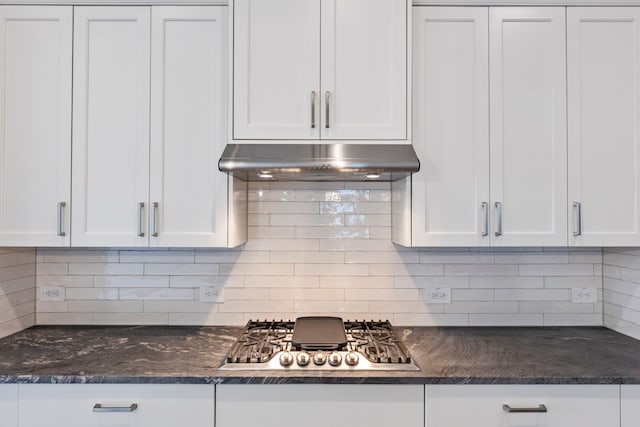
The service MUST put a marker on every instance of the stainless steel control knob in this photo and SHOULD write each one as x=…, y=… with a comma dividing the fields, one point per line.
x=319, y=358
x=335, y=359
x=286, y=358
x=303, y=358
x=351, y=358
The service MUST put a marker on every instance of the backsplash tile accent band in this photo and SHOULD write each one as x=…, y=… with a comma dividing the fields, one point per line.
x=321, y=249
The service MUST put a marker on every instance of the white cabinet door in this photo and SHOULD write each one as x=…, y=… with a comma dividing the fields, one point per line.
x=604, y=125
x=35, y=125
x=482, y=405
x=8, y=405
x=110, y=126
x=630, y=405
x=364, y=69
x=450, y=126
x=276, y=69
x=72, y=405
x=528, y=126
x=320, y=405
x=188, y=126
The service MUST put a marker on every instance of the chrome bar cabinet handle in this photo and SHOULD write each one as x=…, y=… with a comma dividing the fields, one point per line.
x=140, y=219
x=540, y=408
x=61, y=206
x=485, y=221
x=499, y=210
x=577, y=219
x=154, y=226
x=327, y=99
x=98, y=407
x=313, y=109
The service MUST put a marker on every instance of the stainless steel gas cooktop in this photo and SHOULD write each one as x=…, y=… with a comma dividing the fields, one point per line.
x=319, y=343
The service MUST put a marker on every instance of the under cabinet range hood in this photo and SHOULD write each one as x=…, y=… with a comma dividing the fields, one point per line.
x=319, y=162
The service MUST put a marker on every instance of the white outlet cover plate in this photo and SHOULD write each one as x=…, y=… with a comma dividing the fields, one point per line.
x=52, y=293
x=584, y=295
x=211, y=294
x=437, y=295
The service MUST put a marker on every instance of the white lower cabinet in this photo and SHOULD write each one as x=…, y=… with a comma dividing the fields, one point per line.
x=122, y=405
x=484, y=405
x=630, y=405
x=320, y=405
x=9, y=405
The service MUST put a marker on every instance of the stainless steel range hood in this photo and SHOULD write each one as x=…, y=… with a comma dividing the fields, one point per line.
x=319, y=162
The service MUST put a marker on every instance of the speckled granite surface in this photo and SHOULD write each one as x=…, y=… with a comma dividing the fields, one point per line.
x=177, y=354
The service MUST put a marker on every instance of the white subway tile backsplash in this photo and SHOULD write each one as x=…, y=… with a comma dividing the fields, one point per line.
x=406, y=269
x=306, y=294
x=481, y=307
x=17, y=289
x=532, y=295
x=564, y=319
x=307, y=220
x=381, y=294
x=354, y=282
x=556, y=270
x=307, y=257
x=339, y=307
x=373, y=257
x=156, y=294
x=318, y=248
x=480, y=270
x=103, y=269
x=501, y=282
x=131, y=281
x=431, y=282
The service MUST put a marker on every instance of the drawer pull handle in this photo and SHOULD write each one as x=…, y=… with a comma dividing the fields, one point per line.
x=540, y=408
x=577, y=219
x=61, y=206
x=499, y=210
x=99, y=408
x=485, y=216
x=141, y=219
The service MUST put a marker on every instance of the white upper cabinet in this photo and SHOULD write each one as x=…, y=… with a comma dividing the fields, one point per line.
x=328, y=69
x=150, y=123
x=451, y=125
x=505, y=186
x=604, y=126
x=276, y=69
x=364, y=69
x=35, y=125
x=188, y=126
x=111, y=126
x=528, y=126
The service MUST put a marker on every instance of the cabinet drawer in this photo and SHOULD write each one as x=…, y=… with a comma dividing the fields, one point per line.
x=8, y=405
x=71, y=405
x=482, y=405
x=630, y=405
x=319, y=405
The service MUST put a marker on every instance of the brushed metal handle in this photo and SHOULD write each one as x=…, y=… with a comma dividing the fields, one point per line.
x=154, y=226
x=485, y=216
x=140, y=219
x=327, y=100
x=98, y=407
x=61, y=206
x=540, y=408
x=313, y=109
x=577, y=219
x=499, y=227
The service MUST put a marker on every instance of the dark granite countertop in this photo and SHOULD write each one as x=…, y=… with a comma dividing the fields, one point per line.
x=192, y=354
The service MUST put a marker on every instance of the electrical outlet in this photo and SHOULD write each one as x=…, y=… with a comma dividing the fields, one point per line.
x=211, y=294
x=52, y=293
x=584, y=295
x=437, y=295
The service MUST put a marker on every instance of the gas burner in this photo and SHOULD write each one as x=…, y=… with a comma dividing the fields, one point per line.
x=359, y=345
